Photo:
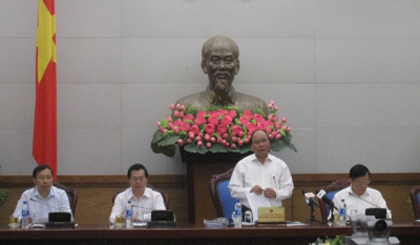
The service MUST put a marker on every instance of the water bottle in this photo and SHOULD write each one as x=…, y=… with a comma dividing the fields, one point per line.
x=343, y=213
x=25, y=215
x=238, y=215
x=129, y=215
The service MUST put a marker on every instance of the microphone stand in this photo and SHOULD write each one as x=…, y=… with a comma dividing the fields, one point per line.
x=312, y=219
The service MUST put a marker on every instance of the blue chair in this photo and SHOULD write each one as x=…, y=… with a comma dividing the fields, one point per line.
x=224, y=203
x=331, y=190
x=415, y=198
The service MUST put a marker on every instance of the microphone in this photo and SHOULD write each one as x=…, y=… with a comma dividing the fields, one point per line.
x=353, y=195
x=309, y=197
x=321, y=195
x=59, y=209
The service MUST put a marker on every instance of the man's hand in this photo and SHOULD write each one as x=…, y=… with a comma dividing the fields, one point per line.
x=257, y=189
x=270, y=193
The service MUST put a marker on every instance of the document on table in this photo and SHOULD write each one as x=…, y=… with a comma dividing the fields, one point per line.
x=256, y=201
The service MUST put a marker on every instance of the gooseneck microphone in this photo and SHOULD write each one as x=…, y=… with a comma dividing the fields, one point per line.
x=321, y=195
x=309, y=197
x=59, y=209
x=353, y=195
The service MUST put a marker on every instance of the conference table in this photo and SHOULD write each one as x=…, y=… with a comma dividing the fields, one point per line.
x=407, y=233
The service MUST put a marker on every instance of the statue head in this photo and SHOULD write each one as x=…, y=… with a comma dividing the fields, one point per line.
x=220, y=61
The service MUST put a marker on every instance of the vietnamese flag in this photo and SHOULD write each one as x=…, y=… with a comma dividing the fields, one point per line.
x=45, y=126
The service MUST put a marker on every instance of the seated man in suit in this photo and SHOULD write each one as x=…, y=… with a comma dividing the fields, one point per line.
x=261, y=173
x=143, y=198
x=44, y=197
x=360, y=180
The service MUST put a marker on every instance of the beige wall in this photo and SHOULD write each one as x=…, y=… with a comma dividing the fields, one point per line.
x=345, y=73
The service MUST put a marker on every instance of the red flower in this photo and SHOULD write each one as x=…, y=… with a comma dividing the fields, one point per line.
x=200, y=120
x=236, y=130
x=251, y=128
x=258, y=118
x=209, y=128
x=248, y=114
x=213, y=120
x=222, y=128
x=226, y=120
x=185, y=126
x=194, y=129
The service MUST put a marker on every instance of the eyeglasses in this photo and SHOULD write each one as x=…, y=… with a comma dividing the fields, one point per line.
x=141, y=179
x=360, y=184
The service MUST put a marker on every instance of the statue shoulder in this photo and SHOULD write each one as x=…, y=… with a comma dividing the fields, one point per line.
x=251, y=102
x=197, y=101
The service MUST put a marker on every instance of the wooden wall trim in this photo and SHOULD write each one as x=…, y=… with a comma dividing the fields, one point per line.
x=179, y=180
x=93, y=180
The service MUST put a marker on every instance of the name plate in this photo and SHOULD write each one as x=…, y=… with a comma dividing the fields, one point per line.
x=270, y=214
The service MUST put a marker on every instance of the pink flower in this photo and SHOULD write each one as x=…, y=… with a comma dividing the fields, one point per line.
x=172, y=107
x=248, y=114
x=222, y=128
x=236, y=130
x=189, y=117
x=210, y=128
x=185, y=126
x=208, y=145
x=251, y=128
x=201, y=113
x=226, y=120
x=176, y=130
x=243, y=120
x=216, y=113
x=231, y=113
x=200, y=120
x=284, y=119
x=179, y=141
x=177, y=123
x=194, y=129
x=213, y=120
x=258, y=117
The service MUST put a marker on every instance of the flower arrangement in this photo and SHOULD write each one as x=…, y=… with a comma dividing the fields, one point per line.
x=218, y=130
x=338, y=240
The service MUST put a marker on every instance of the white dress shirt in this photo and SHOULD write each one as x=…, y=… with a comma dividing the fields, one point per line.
x=151, y=200
x=354, y=203
x=56, y=201
x=274, y=173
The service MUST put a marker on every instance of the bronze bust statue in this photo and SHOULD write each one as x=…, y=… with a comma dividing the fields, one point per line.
x=220, y=61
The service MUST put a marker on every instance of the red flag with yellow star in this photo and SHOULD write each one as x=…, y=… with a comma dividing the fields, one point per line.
x=45, y=127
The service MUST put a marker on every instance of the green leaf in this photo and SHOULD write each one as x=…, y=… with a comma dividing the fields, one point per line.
x=167, y=141
x=218, y=148
x=193, y=148
x=168, y=151
x=261, y=112
x=157, y=136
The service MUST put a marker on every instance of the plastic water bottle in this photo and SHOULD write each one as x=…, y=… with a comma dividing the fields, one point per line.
x=129, y=215
x=25, y=215
x=343, y=213
x=238, y=215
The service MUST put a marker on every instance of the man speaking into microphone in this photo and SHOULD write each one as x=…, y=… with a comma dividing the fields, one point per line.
x=44, y=197
x=358, y=196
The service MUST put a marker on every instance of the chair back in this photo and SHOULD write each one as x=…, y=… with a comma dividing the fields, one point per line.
x=224, y=203
x=71, y=195
x=164, y=195
x=331, y=190
x=415, y=198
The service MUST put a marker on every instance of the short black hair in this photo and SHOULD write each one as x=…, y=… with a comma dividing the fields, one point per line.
x=40, y=168
x=137, y=166
x=252, y=135
x=357, y=171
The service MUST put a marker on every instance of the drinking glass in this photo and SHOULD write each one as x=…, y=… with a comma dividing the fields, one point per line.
x=119, y=220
